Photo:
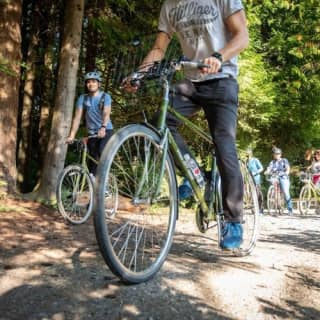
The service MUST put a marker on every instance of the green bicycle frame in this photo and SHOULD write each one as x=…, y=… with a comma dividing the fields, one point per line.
x=84, y=156
x=167, y=138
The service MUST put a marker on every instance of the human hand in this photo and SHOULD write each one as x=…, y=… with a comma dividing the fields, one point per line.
x=101, y=132
x=131, y=83
x=215, y=65
x=69, y=140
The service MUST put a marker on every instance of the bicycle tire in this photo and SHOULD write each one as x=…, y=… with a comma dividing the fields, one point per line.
x=305, y=198
x=136, y=240
x=250, y=217
x=75, y=194
x=271, y=200
x=260, y=199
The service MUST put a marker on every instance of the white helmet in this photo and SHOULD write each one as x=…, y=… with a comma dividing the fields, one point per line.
x=276, y=150
x=92, y=75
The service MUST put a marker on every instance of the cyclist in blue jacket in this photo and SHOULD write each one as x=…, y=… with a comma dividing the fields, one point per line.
x=280, y=166
x=255, y=167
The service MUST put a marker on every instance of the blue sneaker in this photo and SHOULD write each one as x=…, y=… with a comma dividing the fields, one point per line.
x=185, y=190
x=231, y=237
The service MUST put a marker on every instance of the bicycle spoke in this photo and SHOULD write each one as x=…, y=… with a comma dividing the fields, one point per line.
x=140, y=229
x=74, y=194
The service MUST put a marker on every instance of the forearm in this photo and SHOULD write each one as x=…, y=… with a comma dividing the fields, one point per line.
x=74, y=128
x=106, y=116
x=237, y=44
x=75, y=124
x=157, y=52
x=240, y=37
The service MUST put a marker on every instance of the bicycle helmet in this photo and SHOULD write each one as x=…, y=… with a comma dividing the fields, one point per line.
x=92, y=75
x=276, y=150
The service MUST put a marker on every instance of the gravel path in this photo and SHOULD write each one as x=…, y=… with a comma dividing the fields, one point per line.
x=49, y=270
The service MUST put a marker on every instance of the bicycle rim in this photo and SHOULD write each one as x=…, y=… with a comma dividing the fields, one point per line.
x=75, y=194
x=250, y=220
x=136, y=238
x=271, y=200
x=260, y=200
x=305, y=199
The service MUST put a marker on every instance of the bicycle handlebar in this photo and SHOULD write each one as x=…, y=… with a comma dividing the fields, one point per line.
x=163, y=68
x=274, y=176
x=83, y=140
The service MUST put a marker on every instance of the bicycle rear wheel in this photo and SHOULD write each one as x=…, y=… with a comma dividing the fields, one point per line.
x=75, y=194
x=135, y=240
x=250, y=220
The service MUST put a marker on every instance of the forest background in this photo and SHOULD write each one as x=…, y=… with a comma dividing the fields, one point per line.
x=46, y=47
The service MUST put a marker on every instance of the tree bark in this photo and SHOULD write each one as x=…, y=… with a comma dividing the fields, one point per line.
x=30, y=30
x=64, y=101
x=10, y=58
x=49, y=76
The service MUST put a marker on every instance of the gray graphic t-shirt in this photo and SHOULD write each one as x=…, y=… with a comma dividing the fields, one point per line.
x=201, y=30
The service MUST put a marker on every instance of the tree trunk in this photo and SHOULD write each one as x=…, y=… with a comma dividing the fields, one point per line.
x=10, y=58
x=64, y=101
x=37, y=89
x=49, y=76
x=30, y=42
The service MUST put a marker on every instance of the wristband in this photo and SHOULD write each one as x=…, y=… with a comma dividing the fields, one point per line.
x=218, y=56
x=103, y=126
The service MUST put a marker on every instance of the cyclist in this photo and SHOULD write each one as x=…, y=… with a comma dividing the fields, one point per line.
x=96, y=105
x=315, y=168
x=255, y=167
x=280, y=166
x=214, y=32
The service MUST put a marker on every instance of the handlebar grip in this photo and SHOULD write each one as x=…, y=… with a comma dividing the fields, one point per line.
x=203, y=65
x=195, y=64
x=135, y=82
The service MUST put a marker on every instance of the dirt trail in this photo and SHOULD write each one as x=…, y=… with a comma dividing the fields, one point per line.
x=50, y=270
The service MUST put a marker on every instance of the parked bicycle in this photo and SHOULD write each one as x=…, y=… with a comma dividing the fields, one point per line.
x=309, y=197
x=143, y=159
x=275, y=197
x=75, y=187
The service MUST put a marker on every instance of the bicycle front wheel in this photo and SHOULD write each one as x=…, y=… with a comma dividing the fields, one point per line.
x=75, y=194
x=136, y=238
x=271, y=200
x=250, y=220
x=306, y=198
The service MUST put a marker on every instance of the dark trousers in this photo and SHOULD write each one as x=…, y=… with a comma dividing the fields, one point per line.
x=95, y=148
x=219, y=100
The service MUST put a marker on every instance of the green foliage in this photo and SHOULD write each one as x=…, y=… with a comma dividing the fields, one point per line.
x=288, y=35
x=279, y=72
